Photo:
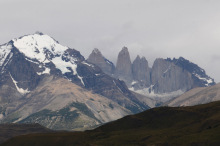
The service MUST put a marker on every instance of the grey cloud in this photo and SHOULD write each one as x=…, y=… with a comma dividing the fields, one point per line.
x=154, y=29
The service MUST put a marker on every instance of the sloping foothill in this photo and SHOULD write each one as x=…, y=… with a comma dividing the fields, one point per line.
x=162, y=126
x=10, y=130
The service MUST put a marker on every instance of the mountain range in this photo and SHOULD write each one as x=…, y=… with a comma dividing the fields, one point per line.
x=42, y=81
x=166, y=79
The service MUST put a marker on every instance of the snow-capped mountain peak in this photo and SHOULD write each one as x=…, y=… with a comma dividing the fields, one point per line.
x=44, y=49
x=41, y=52
x=34, y=46
x=4, y=51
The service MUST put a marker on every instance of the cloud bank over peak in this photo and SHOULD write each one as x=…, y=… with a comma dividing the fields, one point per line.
x=154, y=29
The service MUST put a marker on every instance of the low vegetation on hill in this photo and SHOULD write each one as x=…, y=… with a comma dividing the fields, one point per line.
x=163, y=126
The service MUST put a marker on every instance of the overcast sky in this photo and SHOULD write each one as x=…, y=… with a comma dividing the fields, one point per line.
x=150, y=28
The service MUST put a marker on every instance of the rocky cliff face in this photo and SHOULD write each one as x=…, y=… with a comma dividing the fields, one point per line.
x=136, y=75
x=141, y=73
x=173, y=79
x=160, y=67
x=198, y=74
x=168, y=78
x=97, y=58
x=123, y=69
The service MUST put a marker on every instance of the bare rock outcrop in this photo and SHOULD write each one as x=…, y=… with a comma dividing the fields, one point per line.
x=97, y=58
x=200, y=78
x=141, y=73
x=167, y=77
x=173, y=79
x=159, y=67
x=124, y=68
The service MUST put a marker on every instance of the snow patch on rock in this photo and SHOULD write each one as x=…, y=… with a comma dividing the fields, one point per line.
x=62, y=65
x=81, y=78
x=46, y=71
x=208, y=80
x=159, y=97
x=4, y=51
x=167, y=69
x=133, y=82
x=31, y=61
x=22, y=91
x=87, y=63
x=117, y=86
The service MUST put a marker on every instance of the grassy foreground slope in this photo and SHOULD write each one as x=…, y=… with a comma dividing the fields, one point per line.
x=8, y=131
x=164, y=126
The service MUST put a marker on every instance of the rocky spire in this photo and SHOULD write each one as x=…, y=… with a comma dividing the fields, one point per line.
x=141, y=71
x=123, y=67
x=97, y=58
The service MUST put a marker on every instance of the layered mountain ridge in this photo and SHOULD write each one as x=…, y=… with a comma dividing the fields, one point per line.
x=59, y=104
x=29, y=60
x=43, y=82
x=196, y=96
x=166, y=79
